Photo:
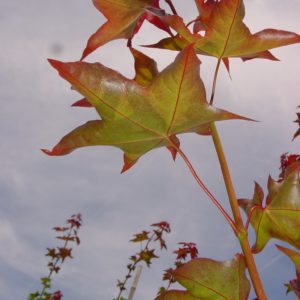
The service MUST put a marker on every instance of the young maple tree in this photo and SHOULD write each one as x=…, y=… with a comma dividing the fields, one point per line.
x=151, y=110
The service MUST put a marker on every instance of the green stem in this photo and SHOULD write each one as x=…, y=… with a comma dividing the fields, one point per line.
x=242, y=232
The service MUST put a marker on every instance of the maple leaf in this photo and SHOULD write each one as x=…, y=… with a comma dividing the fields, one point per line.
x=65, y=253
x=225, y=34
x=52, y=253
x=139, y=237
x=211, y=280
x=163, y=226
x=137, y=118
x=125, y=17
x=177, y=295
x=298, y=122
x=280, y=216
x=185, y=250
x=147, y=256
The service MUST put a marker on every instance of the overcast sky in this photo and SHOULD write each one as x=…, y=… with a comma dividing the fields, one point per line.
x=39, y=192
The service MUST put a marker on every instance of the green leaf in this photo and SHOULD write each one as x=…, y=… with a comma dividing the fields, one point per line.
x=145, y=68
x=226, y=35
x=177, y=295
x=138, y=118
x=207, y=279
x=280, y=217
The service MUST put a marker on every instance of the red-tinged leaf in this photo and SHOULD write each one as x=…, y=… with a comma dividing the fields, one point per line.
x=82, y=103
x=185, y=250
x=280, y=217
x=124, y=18
x=163, y=225
x=286, y=162
x=138, y=118
x=52, y=253
x=177, y=295
x=57, y=295
x=207, y=279
x=147, y=256
x=226, y=35
x=67, y=238
x=65, y=253
x=298, y=122
x=61, y=229
x=145, y=68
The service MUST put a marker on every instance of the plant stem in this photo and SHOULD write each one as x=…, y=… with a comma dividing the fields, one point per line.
x=204, y=188
x=215, y=82
x=172, y=7
x=242, y=232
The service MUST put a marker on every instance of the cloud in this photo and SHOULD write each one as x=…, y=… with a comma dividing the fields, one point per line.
x=38, y=192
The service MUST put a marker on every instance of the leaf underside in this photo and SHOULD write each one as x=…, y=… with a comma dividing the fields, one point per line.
x=280, y=217
x=124, y=19
x=142, y=114
x=225, y=34
x=207, y=279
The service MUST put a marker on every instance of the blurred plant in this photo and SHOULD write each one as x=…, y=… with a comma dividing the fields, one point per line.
x=146, y=254
x=184, y=252
x=58, y=255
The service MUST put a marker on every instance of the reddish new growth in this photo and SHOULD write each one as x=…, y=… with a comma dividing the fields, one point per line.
x=68, y=234
x=184, y=252
x=147, y=253
x=286, y=160
x=298, y=122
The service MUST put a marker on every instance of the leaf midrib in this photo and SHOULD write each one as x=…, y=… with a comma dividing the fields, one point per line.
x=230, y=29
x=138, y=124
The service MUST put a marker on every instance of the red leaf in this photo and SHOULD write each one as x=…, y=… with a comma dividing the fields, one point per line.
x=82, y=103
x=124, y=19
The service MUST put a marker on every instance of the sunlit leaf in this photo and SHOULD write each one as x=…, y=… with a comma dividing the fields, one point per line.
x=279, y=216
x=137, y=118
x=177, y=295
x=124, y=19
x=225, y=33
x=207, y=279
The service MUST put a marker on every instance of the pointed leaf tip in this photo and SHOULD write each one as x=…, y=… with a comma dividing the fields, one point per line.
x=54, y=63
x=82, y=103
x=128, y=163
x=46, y=151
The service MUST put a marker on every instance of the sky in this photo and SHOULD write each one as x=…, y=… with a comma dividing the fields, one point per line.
x=38, y=192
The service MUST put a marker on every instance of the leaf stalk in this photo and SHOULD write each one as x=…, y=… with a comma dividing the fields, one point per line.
x=204, y=188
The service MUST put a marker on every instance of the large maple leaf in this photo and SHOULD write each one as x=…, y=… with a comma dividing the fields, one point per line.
x=139, y=117
x=207, y=279
x=125, y=17
x=280, y=217
x=226, y=35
